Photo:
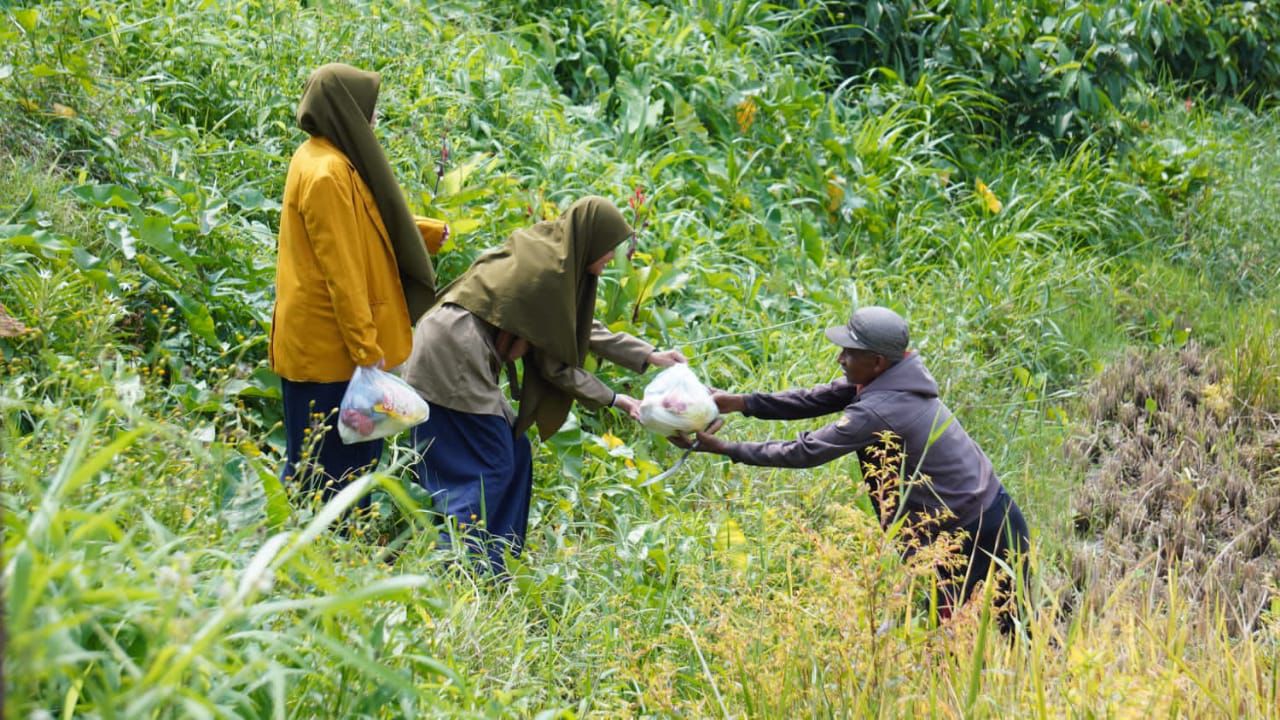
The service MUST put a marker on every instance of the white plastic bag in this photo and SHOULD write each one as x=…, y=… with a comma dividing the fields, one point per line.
x=378, y=404
x=677, y=402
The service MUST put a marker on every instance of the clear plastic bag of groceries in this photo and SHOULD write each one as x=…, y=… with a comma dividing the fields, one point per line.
x=378, y=404
x=677, y=402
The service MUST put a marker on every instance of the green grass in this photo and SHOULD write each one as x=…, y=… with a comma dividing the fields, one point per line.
x=153, y=567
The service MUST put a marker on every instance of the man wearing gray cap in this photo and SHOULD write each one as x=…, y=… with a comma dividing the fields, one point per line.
x=887, y=389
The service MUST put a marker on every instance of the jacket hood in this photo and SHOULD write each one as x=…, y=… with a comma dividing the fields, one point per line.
x=909, y=375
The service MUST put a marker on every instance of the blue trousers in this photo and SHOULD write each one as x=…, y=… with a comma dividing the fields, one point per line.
x=480, y=473
x=326, y=467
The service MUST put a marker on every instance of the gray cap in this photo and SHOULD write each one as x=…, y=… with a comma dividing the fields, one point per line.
x=875, y=329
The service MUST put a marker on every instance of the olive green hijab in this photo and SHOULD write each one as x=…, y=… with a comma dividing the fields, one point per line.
x=536, y=286
x=337, y=104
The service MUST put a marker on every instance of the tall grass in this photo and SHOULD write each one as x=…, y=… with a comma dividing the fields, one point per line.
x=155, y=567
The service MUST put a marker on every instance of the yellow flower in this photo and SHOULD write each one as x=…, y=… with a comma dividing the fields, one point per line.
x=746, y=113
x=835, y=193
x=989, y=199
x=1217, y=397
x=611, y=441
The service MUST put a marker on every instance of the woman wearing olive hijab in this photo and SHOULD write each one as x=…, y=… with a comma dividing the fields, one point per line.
x=352, y=274
x=532, y=299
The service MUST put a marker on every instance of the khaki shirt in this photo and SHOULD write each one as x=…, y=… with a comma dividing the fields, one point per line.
x=455, y=364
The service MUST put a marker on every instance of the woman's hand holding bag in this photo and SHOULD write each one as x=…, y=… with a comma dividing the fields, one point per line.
x=378, y=404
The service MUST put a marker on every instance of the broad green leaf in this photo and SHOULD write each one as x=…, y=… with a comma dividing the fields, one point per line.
x=107, y=195
x=39, y=242
x=157, y=271
x=121, y=235
x=247, y=198
x=18, y=586
x=262, y=383
x=640, y=110
x=815, y=247
x=453, y=180
x=28, y=18
x=278, y=508
x=250, y=198
x=155, y=231
x=1031, y=65
x=199, y=319
x=463, y=226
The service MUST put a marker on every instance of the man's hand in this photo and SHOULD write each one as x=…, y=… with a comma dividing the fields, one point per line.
x=729, y=402
x=627, y=404
x=702, y=442
x=666, y=358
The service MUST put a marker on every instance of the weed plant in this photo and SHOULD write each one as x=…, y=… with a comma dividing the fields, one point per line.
x=154, y=566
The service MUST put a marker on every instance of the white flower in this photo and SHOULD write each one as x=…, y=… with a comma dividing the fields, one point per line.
x=130, y=391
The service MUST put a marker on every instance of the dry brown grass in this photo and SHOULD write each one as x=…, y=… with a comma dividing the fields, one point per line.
x=1181, y=475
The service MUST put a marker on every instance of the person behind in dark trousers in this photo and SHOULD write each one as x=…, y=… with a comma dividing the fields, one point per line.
x=352, y=274
x=886, y=388
x=532, y=299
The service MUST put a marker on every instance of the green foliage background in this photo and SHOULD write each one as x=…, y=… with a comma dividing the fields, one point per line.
x=798, y=159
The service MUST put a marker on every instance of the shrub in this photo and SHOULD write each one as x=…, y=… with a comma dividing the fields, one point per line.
x=1064, y=66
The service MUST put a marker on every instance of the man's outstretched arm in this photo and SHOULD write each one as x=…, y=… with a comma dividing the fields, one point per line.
x=855, y=430
x=799, y=404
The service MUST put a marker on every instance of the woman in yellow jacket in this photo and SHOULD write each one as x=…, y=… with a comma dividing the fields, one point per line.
x=353, y=273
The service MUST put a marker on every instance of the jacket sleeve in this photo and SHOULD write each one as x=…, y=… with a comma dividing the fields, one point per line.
x=433, y=232
x=855, y=430
x=801, y=404
x=582, y=385
x=626, y=350
x=329, y=214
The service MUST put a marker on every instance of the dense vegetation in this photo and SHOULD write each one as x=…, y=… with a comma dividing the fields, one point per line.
x=1072, y=202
